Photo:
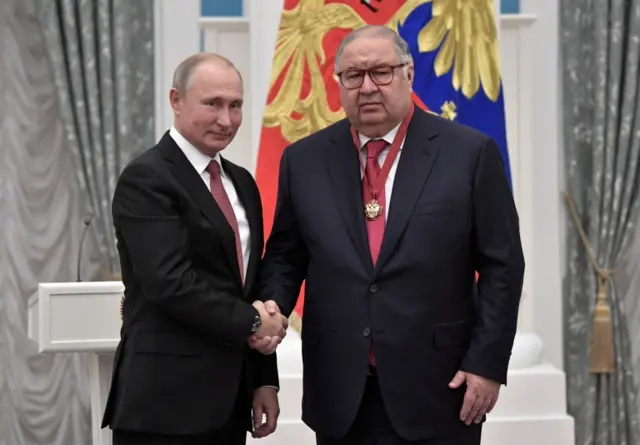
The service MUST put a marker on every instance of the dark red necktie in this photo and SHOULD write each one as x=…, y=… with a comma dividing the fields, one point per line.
x=375, y=228
x=221, y=197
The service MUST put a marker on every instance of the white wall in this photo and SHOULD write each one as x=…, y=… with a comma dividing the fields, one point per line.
x=249, y=42
x=177, y=36
x=229, y=36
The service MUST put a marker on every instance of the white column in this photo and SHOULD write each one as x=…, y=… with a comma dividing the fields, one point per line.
x=176, y=36
x=516, y=68
x=512, y=32
x=546, y=266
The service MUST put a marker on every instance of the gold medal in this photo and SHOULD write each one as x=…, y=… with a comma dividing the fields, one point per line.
x=372, y=210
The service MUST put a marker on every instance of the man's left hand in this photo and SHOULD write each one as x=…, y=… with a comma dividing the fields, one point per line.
x=265, y=401
x=480, y=397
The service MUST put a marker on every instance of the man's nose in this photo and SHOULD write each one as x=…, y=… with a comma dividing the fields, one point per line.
x=368, y=86
x=223, y=118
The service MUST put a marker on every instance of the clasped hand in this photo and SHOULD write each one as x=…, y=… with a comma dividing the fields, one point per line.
x=273, y=328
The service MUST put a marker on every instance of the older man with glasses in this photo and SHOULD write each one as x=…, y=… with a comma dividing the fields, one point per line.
x=388, y=215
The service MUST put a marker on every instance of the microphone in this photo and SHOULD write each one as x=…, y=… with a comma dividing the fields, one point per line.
x=87, y=222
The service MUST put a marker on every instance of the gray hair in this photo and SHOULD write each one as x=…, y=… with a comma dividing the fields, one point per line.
x=184, y=72
x=400, y=46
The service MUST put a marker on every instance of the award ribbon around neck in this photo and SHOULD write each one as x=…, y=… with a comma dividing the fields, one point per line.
x=379, y=181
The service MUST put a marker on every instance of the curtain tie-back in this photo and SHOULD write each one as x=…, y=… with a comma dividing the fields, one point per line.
x=601, y=353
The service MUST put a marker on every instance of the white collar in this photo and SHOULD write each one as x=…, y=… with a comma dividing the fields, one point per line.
x=388, y=138
x=199, y=160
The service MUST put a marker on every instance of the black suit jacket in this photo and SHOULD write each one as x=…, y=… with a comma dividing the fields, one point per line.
x=187, y=317
x=451, y=214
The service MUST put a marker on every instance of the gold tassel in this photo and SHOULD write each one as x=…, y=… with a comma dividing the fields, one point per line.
x=601, y=354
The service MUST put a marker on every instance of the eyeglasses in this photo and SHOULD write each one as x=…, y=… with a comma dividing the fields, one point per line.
x=380, y=75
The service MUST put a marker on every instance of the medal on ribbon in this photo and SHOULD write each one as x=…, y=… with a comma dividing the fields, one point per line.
x=373, y=209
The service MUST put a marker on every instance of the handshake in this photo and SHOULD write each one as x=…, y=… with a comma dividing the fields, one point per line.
x=272, y=330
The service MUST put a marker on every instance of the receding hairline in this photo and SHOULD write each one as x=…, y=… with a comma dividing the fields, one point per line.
x=378, y=31
x=183, y=74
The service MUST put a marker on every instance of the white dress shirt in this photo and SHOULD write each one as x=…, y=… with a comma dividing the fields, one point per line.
x=388, y=186
x=200, y=161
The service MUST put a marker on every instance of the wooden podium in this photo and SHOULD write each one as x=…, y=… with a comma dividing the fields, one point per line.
x=85, y=317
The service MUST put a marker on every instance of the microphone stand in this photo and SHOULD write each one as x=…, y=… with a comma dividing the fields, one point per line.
x=87, y=222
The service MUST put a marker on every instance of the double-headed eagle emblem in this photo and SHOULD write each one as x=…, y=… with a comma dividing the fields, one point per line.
x=463, y=32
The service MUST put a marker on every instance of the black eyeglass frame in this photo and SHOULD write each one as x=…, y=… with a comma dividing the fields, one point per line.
x=367, y=72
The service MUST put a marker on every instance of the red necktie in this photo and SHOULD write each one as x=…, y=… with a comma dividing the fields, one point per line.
x=221, y=197
x=375, y=228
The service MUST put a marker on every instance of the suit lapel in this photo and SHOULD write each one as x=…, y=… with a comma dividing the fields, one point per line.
x=344, y=173
x=198, y=191
x=252, y=210
x=419, y=154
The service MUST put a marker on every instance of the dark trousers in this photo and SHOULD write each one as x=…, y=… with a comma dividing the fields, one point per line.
x=233, y=432
x=373, y=427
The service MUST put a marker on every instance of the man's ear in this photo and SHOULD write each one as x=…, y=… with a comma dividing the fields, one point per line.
x=410, y=72
x=174, y=100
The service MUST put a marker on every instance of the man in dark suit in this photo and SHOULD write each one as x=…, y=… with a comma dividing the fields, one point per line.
x=401, y=346
x=193, y=360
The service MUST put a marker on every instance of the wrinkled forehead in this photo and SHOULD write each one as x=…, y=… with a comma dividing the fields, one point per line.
x=368, y=51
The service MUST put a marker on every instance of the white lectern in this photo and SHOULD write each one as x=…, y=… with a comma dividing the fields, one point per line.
x=81, y=317
x=85, y=317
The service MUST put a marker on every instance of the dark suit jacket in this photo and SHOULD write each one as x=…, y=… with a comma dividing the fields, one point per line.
x=187, y=317
x=451, y=214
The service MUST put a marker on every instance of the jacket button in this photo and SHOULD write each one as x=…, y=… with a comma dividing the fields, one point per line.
x=373, y=288
x=366, y=332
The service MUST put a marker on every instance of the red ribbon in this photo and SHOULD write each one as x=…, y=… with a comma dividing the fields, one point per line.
x=380, y=180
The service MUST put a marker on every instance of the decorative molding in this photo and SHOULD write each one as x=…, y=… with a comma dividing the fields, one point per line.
x=235, y=24
x=517, y=20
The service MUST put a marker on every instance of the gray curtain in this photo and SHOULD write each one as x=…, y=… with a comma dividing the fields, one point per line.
x=73, y=110
x=43, y=399
x=101, y=53
x=601, y=61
